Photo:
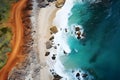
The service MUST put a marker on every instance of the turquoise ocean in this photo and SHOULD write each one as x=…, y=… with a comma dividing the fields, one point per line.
x=99, y=52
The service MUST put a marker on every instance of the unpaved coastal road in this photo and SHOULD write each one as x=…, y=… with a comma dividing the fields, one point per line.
x=17, y=25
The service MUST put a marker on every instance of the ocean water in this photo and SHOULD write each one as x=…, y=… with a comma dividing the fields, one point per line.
x=99, y=52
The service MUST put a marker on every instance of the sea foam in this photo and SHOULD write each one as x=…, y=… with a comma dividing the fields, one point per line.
x=61, y=22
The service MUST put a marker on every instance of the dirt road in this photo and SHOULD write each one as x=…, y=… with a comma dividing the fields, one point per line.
x=17, y=40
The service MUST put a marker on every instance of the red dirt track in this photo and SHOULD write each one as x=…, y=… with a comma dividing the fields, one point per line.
x=14, y=57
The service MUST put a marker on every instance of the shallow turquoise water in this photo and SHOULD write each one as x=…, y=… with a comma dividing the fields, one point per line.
x=99, y=52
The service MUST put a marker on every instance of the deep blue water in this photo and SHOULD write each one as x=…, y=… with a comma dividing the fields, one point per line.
x=99, y=52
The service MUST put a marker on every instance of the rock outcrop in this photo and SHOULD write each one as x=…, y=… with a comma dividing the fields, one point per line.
x=60, y=3
x=54, y=29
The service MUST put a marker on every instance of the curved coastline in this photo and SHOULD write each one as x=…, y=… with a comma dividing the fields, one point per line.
x=57, y=40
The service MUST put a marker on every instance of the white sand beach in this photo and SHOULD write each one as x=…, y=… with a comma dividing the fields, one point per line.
x=42, y=19
x=45, y=18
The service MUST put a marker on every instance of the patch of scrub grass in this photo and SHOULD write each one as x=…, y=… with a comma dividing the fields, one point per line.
x=5, y=6
x=5, y=32
x=5, y=37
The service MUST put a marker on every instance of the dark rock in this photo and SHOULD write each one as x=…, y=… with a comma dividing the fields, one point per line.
x=57, y=77
x=55, y=47
x=84, y=75
x=53, y=57
x=50, y=0
x=79, y=33
x=51, y=38
x=54, y=29
x=65, y=52
x=47, y=53
x=77, y=29
x=78, y=37
x=48, y=45
x=73, y=71
x=78, y=74
x=65, y=30
x=84, y=34
x=59, y=3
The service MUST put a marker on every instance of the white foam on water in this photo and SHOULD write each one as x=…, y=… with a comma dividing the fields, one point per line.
x=63, y=14
x=81, y=30
x=61, y=22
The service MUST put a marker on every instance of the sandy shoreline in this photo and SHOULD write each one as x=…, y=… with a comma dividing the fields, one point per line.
x=37, y=66
x=49, y=34
x=47, y=38
x=44, y=20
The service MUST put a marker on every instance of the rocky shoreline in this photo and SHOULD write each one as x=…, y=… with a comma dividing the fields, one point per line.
x=30, y=66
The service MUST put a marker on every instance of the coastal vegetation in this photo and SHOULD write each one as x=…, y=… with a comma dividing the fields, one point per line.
x=5, y=37
x=5, y=31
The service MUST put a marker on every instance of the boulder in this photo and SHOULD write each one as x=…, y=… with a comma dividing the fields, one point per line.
x=65, y=52
x=59, y=3
x=54, y=29
x=66, y=30
x=78, y=33
x=84, y=75
x=53, y=57
x=78, y=74
x=51, y=38
x=48, y=45
x=57, y=77
x=77, y=29
x=47, y=53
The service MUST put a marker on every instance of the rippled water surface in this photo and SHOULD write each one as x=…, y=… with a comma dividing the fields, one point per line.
x=99, y=52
